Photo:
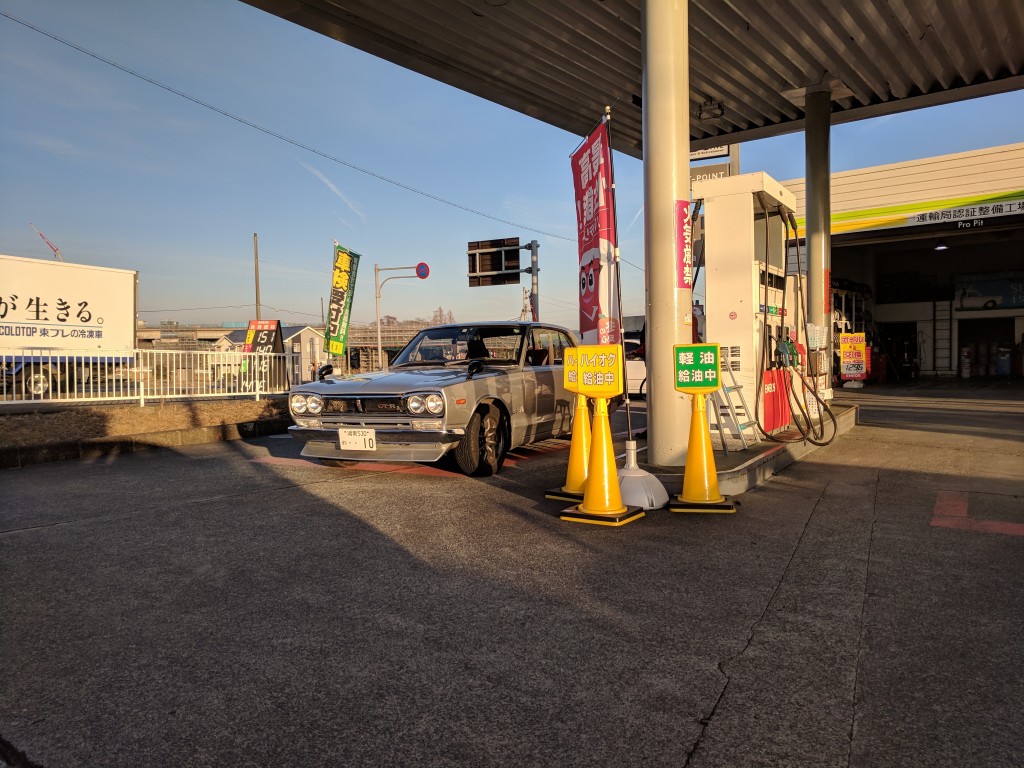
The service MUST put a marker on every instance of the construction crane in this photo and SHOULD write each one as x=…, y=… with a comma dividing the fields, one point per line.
x=54, y=248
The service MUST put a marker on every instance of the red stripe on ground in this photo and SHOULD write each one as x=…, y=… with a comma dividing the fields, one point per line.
x=950, y=504
x=979, y=526
x=282, y=462
x=403, y=469
x=520, y=454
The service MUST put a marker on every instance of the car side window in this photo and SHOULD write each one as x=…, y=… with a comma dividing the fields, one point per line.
x=562, y=342
x=501, y=344
x=547, y=347
x=537, y=352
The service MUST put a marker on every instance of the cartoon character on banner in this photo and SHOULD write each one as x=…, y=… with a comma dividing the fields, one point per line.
x=590, y=293
x=594, y=317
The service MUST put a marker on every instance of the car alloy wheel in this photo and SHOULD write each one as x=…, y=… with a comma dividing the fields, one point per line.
x=483, y=448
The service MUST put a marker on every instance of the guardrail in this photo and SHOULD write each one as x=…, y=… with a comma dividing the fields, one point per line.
x=63, y=376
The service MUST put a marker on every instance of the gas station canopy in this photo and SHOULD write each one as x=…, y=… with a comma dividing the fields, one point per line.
x=751, y=61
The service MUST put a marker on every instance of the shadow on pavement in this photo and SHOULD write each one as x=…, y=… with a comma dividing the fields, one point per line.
x=234, y=604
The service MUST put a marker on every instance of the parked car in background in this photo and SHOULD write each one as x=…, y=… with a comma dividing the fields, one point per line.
x=971, y=298
x=636, y=368
x=471, y=391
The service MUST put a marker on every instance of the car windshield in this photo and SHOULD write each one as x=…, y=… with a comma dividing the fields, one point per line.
x=453, y=344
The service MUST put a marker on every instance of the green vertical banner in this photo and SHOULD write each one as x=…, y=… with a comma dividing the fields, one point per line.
x=343, y=283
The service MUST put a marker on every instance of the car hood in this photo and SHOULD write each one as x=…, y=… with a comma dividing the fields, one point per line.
x=392, y=382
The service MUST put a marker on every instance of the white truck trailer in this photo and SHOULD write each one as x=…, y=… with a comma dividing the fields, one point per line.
x=63, y=325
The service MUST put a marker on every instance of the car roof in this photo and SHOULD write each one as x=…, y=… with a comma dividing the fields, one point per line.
x=499, y=323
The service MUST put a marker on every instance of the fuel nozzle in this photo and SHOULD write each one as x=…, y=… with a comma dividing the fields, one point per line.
x=774, y=351
x=782, y=351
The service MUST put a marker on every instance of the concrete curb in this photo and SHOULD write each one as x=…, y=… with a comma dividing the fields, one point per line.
x=771, y=459
x=756, y=471
x=98, y=447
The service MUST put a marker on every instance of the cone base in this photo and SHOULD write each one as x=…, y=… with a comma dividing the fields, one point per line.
x=560, y=494
x=627, y=515
x=723, y=507
x=641, y=489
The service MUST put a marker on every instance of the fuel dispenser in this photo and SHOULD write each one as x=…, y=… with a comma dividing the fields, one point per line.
x=756, y=303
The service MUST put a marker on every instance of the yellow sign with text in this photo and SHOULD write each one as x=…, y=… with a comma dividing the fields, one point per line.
x=570, y=358
x=853, y=363
x=598, y=370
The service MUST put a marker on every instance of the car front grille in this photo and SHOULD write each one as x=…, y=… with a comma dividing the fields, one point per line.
x=383, y=405
x=371, y=406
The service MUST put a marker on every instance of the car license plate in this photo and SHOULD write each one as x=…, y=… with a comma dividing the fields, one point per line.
x=352, y=439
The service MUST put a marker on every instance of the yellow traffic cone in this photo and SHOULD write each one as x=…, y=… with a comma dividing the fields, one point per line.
x=602, y=499
x=579, y=454
x=700, y=479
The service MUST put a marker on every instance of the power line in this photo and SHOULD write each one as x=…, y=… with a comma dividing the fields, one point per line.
x=198, y=309
x=228, y=306
x=276, y=135
x=547, y=297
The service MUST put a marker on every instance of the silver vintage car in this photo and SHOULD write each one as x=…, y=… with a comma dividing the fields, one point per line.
x=472, y=390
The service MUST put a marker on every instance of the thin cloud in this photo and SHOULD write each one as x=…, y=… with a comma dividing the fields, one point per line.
x=50, y=144
x=337, y=192
x=633, y=220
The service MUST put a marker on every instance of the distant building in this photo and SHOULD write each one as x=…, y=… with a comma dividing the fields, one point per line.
x=304, y=342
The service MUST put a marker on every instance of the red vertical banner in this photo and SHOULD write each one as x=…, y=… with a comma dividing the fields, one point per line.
x=595, y=219
x=684, y=249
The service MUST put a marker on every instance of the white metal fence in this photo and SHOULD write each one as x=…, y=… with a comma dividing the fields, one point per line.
x=53, y=375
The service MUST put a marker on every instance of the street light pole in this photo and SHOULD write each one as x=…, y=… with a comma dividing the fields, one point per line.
x=377, y=269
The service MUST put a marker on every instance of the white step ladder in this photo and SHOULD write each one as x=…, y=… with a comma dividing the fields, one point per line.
x=738, y=415
x=943, y=360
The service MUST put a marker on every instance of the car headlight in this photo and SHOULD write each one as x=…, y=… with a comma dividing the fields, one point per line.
x=435, y=404
x=297, y=402
x=315, y=404
x=416, y=405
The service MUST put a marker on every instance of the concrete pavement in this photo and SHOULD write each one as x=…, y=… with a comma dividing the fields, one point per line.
x=235, y=604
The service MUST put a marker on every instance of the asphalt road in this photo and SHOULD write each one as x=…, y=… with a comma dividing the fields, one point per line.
x=236, y=605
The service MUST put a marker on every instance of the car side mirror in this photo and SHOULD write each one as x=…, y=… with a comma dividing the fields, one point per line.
x=474, y=367
x=324, y=370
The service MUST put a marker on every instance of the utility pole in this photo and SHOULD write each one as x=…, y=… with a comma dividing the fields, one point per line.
x=526, y=313
x=534, y=271
x=256, y=263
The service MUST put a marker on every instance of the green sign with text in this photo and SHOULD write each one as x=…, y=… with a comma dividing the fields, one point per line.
x=698, y=368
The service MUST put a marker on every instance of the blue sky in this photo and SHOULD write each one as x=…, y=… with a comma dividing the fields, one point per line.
x=119, y=172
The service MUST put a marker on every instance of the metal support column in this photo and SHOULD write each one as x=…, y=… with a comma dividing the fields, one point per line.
x=666, y=118
x=535, y=282
x=817, y=124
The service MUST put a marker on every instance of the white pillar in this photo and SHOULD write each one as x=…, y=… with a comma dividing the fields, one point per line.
x=817, y=126
x=666, y=117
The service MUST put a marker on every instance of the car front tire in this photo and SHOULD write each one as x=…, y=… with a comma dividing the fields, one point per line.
x=39, y=382
x=482, y=450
